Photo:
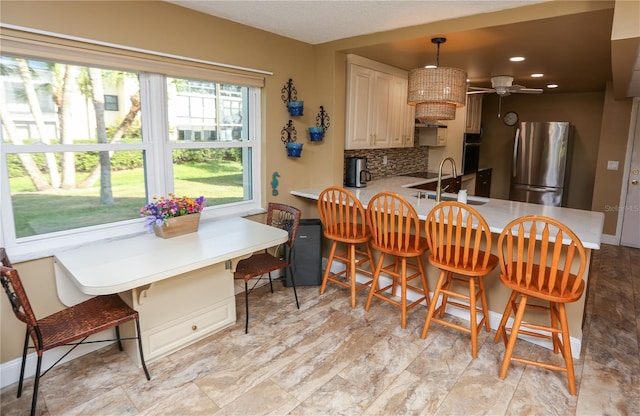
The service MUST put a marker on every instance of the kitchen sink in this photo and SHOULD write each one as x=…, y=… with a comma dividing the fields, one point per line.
x=471, y=200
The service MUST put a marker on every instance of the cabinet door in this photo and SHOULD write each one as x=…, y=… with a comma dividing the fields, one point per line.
x=399, y=109
x=474, y=113
x=381, y=111
x=483, y=183
x=360, y=95
x=409, y=125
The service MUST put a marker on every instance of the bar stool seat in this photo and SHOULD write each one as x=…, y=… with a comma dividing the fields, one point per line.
x=460, y=246
x=343, y=221
x=395, y=231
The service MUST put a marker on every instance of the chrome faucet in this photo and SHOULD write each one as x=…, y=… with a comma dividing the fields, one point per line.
x=439, y=187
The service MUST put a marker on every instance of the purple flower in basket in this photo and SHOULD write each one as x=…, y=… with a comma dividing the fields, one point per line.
x=161, y=209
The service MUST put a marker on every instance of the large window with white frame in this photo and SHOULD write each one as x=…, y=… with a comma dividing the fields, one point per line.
x=73, y=166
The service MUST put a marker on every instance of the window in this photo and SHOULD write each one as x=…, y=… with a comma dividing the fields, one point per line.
x=111, y=102
x=76, y=163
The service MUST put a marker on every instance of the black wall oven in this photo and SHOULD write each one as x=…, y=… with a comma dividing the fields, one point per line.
x=471, y=153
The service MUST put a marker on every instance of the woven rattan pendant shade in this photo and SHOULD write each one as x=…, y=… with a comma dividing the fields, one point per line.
x=435, y=111
x=437, y=92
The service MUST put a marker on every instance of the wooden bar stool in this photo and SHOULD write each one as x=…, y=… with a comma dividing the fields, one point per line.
x=536, y=258
x=460, y=246
x=395, y=231
x=343, y=221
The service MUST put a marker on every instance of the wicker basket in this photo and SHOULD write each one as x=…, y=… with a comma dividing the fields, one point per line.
x=178, y=226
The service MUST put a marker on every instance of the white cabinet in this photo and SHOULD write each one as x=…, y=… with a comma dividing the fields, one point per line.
x=474, y=113
x=377, y=115
x=179, y=311
x=402, y=115
x=432, y=135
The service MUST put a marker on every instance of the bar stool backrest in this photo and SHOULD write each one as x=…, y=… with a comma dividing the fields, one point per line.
x=536, y=256
x=393, y=223
x=342, y=215
x=458, y=236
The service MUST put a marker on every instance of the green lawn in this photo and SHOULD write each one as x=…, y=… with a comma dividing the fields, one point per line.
x=57, y=210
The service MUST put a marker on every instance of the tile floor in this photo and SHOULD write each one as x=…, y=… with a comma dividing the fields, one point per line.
x=329, y=359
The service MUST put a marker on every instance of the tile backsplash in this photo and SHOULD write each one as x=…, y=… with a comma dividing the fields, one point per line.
x=399, y=160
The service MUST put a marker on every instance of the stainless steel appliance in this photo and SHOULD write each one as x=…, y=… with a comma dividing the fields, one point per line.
x=540, y=153
x=357, y=174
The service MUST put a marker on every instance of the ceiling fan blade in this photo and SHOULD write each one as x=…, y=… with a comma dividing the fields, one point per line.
x=479, y=92
x=528, y=91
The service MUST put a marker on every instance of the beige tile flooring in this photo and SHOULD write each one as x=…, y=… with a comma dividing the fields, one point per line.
x=329, y=359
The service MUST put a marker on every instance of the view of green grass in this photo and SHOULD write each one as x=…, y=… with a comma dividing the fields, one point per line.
x=63, y=209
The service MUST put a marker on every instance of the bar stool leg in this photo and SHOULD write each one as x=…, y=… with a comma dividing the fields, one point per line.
x=513, y=337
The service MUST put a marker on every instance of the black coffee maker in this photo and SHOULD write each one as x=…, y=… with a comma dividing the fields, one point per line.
x=357, y=174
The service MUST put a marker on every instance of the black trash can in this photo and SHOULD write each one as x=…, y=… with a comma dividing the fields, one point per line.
x=307, y=254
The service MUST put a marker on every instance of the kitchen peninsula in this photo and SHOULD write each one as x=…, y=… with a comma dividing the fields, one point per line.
x=498, y=213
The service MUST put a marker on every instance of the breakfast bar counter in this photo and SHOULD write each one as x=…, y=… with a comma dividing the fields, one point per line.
x=498, y=213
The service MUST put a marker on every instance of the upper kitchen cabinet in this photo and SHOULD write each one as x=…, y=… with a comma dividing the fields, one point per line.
x=474, y=113
x=378, y=115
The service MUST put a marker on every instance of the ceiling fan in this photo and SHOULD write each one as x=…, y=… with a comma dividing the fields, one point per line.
x=503, y=86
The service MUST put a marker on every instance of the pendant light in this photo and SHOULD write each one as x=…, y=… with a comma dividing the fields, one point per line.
x=437, y=92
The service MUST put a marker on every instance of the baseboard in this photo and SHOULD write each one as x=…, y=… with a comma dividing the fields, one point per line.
x=610, y=239
x=10, y=371
x=494, y=317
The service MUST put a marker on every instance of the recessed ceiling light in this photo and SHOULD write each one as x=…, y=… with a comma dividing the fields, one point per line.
x=537, y=75
x=552, y=85
x=516, y=58
x=430, y=66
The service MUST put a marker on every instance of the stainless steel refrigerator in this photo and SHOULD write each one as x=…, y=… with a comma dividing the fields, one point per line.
x=539, y=167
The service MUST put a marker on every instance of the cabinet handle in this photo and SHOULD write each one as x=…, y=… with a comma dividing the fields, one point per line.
x=194, y=327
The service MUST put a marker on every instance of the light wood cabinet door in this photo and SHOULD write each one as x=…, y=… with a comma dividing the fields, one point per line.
x=360, y=95
x=474, y=113
x=382, y=108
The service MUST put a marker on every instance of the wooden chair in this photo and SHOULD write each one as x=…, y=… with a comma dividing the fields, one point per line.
x=281, y=216
x=343, y=221
x=460, y=246
x=536, y=258
x=66, y=327
x=395, y=231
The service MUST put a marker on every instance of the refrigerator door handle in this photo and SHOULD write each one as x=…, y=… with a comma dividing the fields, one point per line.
x=536, y=188
x=515, y=153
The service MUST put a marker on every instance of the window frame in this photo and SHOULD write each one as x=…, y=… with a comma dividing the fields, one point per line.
x=159, y=166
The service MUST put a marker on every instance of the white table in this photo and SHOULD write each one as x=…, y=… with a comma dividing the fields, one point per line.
x=182, y=287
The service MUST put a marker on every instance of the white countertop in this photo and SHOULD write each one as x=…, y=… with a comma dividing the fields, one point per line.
x=497, y=212
x=120, y=265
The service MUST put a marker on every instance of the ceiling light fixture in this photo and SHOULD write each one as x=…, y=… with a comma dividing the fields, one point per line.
x=537, y=75
x=437, y=92
x=552, y=86
x=516, y=58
